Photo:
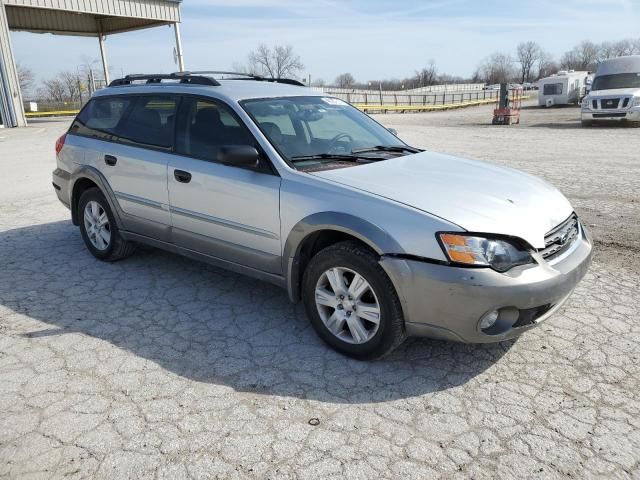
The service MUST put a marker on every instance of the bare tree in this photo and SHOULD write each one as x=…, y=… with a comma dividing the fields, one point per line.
x=66, y=87
x=26, y=79
x=54, y=90
x=277, y=62
x=497, y=68
x=318, y=82
x=427, y=75
x=528, y=54
x=584, y=56
x=546, y=64
x=345, y=80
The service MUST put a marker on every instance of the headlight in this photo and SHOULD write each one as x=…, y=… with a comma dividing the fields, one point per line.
x=586, y=103
x=499, y=254
x=636, y=102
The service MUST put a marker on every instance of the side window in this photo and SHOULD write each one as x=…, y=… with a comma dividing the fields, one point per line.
x=206, y=126
x=150, y=122
x=552, y=89
x=101, y=117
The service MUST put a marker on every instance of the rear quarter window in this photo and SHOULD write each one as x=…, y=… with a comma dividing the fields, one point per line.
x=100, y=118
x=139, y=120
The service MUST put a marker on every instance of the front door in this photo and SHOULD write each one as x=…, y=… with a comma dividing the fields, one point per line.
x=225, y=211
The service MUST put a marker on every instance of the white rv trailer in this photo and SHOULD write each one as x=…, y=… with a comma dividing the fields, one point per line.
x=562, y=88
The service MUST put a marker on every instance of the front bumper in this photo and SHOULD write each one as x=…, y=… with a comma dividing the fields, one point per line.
x=446, y=302
x=629, y=115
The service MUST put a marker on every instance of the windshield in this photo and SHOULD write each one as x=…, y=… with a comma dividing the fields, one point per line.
x=619, y=80
x=303, y=127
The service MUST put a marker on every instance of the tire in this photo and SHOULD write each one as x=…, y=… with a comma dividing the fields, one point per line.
x=366, y=340
x=109, y=246
x=586, y=123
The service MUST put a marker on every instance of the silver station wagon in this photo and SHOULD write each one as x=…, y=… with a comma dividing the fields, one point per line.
x=268, y=178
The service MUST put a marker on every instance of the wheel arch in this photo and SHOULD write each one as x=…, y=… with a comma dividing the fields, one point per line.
x=320, y=230
x=87, y=177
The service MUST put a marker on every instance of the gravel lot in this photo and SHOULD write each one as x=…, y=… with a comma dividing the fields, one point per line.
x=160, y=367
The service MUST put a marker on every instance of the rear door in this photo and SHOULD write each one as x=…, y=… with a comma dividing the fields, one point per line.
x=134, y=137
x=224, y=211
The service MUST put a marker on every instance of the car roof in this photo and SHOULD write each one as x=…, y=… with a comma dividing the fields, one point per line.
x=627, y=64
x=230, y=90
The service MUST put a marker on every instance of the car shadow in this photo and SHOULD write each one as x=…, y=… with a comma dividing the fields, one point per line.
x=207, y=324
x=569, y=124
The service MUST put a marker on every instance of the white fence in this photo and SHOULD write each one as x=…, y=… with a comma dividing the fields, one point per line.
x=432, y=95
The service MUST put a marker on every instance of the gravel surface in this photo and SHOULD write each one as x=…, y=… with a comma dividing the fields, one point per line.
x=160, y=367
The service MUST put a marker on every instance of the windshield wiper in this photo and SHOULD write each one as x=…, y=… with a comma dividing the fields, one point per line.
x=386, y=148
x=330, y=156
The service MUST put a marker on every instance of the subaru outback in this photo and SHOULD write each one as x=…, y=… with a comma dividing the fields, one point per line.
x=380, y=240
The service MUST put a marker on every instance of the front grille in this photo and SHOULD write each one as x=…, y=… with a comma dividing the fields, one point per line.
x=609, y=103
x=625, y=103
x=560, y=238
x=595, y=104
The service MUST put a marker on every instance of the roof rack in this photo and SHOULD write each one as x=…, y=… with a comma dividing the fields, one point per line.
x=248, y=76
x=181, y=77
x=197, y=78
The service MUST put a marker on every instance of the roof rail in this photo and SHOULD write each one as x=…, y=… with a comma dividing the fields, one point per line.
x=248, y=76
x=199, y=78
x=181, y=77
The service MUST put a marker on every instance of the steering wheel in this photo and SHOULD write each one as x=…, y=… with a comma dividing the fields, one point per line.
x=333, y=143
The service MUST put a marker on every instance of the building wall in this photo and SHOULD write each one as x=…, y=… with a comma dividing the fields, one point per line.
x=10, y=96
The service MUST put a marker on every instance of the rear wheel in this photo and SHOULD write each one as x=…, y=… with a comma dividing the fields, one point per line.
x=98, y=228
x=351, y=302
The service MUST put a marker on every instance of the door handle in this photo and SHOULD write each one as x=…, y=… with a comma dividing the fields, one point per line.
x=182, y=176
x=110, y=160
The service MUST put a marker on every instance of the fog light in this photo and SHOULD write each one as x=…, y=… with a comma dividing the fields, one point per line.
x=489, y=319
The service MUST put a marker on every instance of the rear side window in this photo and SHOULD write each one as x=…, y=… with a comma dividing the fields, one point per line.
x=140, y=120
x=150, y=122
x=101, y=117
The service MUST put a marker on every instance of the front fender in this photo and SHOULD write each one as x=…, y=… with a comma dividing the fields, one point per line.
x=370, y=234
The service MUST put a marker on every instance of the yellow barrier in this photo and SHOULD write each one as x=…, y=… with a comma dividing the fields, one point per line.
x=52, y=114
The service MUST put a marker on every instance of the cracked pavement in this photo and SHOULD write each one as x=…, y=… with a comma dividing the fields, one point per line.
x=162, y=367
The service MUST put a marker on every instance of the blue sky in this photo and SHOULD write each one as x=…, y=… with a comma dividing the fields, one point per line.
x=370, y=38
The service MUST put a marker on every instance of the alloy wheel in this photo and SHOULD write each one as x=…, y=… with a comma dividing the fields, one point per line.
x=96, y=224
x=347, y=305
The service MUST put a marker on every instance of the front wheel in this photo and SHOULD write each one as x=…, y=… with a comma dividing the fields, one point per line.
x=351, y=302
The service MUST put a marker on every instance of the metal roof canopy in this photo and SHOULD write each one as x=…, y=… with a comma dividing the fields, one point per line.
x=91, y=18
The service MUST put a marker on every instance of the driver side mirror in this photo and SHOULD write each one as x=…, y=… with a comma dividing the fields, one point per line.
x=393, y=130
x=239, y=155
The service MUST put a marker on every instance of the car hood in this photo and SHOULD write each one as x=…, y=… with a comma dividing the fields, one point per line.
x=475, y=195
x=614, y=92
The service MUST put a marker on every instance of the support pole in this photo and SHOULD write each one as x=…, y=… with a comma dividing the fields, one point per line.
x=179, y=55
x=103, y=55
